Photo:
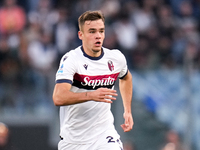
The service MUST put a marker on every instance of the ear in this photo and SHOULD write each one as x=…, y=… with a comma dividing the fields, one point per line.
x=80, y=35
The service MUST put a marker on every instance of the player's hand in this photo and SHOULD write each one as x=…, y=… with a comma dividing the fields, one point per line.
x=128, y=124
x=103, y=95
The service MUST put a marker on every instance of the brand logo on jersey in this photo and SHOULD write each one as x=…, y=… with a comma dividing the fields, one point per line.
x=94, y=82
x=65, y=58
x=110, y=65
x=85, y=66
x=98, y=82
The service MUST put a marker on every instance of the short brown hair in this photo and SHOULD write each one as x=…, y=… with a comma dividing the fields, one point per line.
x=90, y=15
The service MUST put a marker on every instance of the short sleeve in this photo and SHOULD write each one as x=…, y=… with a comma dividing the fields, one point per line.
x=124, y=67
x=67, y=69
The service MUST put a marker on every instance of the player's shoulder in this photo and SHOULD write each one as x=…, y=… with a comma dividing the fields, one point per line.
x=72, y=54
x=114, y=53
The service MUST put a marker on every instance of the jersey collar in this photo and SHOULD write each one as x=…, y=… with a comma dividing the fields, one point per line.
x=90, y=57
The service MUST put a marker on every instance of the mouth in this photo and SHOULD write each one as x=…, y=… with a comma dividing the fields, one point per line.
x=98, y=43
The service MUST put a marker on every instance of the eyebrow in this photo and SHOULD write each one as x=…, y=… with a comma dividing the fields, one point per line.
x=93, y=29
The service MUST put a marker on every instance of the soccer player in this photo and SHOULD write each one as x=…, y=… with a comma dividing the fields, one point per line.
x=84, y=90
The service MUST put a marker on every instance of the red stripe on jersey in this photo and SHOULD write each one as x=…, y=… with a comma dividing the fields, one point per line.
x=80, y=77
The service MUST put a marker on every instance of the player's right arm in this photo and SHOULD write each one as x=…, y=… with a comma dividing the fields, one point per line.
x=63, y=96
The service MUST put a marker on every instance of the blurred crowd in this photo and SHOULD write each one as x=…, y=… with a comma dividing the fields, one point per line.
x=34, y=34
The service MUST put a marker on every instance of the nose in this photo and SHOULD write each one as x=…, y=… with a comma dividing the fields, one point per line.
x=98, y=35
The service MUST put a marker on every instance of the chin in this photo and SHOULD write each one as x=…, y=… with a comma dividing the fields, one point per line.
x=96, y=49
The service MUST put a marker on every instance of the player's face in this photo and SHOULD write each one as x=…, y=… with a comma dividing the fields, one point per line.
x=92, y=36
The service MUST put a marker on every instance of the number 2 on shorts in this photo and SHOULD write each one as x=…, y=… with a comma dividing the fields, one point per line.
x=110, y=139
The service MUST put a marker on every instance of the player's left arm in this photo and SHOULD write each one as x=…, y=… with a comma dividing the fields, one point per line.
x=126, y=90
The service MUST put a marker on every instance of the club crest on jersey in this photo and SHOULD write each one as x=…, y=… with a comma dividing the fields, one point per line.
x=110, y=65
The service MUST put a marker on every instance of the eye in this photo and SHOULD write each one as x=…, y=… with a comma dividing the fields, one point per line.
x=91, y=31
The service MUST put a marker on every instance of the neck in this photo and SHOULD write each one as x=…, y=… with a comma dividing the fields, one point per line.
x=92, y=52
x=95, y=56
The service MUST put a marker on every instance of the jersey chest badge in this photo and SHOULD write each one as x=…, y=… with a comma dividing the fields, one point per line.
x=110, y=65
